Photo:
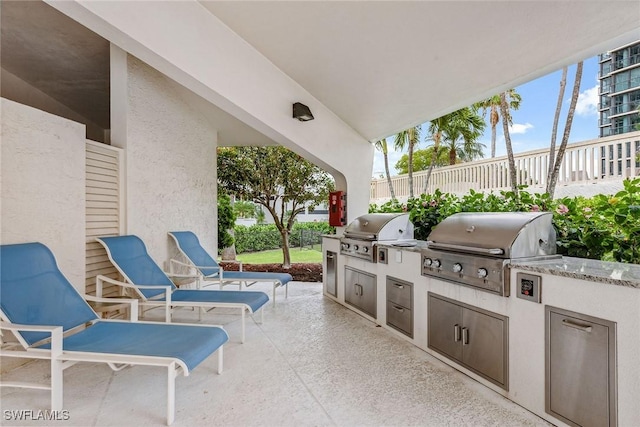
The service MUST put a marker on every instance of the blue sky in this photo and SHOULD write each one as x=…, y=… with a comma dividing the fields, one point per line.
x=533, y=121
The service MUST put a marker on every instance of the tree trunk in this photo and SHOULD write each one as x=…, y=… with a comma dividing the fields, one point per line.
x=452, y=156
x=507, y=141
x=554, y=131
x=551, y=185
x=386, y=171
x=494, y=118
x=434, y=159
x=410, y=170
x=286, y=255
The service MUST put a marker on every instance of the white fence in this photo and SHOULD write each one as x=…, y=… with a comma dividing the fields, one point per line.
x=590, y=162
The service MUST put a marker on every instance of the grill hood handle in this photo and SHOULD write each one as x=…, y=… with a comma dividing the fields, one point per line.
x=473, y=249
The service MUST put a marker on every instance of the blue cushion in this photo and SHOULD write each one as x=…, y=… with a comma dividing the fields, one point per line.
x=190, y=245
x=130, y=256
x=33, y=291
x=255, y=300
x=284, y=278
x=191, y=344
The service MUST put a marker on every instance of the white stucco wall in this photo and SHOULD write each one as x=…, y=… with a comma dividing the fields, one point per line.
x=201, y=53
x=171, y=163
x=42, y=182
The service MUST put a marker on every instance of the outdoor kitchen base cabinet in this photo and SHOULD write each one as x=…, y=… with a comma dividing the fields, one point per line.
x=360, y=290
x=476, y=339
x=580, y=368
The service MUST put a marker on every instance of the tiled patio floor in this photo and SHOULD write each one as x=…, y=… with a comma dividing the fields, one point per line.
x=312, y=363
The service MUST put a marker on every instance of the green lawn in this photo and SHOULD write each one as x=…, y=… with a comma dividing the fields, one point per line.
x=275, y=256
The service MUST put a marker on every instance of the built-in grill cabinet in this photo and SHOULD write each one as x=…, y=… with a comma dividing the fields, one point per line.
x=580, y=368
x=475, y=249
x=475, y=338
x=360, y=290
x=400, y=305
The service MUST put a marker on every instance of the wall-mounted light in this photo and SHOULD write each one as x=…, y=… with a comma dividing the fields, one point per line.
x=302, y=112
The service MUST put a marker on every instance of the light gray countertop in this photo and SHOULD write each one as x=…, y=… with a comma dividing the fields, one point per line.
x=614, y=273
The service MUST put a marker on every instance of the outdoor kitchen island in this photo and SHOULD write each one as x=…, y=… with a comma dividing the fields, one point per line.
x=588, y=298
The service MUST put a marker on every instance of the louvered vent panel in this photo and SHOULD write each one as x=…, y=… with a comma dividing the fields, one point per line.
x=103, y=211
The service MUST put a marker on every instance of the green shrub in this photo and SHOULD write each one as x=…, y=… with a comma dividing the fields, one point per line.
x=602, y=227
x=261, y=237
x=226, y=219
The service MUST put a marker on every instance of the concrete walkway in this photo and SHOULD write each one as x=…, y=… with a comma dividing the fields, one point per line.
x=312, y=363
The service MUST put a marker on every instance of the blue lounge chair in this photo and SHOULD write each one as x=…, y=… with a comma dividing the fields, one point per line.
x=210, y=270
x=52, y=321
x=155, y=289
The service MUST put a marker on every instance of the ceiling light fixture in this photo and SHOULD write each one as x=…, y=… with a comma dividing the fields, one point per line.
x=302, y=112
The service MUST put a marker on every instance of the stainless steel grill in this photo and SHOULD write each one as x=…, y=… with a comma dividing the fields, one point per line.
x=475, y=249
x=363, y=233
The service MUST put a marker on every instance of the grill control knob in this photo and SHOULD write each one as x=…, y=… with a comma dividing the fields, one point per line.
x=436, y=263
x=427, y=262
x=457, y=267
x=345, y=246
x=356, y=247
x=482, y=273
x=365, y=249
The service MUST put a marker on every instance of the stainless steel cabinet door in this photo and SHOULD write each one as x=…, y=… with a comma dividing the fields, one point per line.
x=483, y=344
x=445, y=327
x=580, y=369
x=331, y=280
x=360, y=291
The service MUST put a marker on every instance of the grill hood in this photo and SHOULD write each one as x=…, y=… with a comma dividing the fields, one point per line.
x=380, y=226
x=496, y=234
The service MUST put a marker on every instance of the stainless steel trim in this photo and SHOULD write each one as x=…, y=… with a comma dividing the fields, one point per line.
x=574, y=325
x=472, y=249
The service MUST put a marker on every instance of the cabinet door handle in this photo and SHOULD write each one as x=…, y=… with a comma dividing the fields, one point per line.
x=398, y=286
x=456, y=333
x=400, y=309
x=330, y=256
x=569, y=323
x=465, y=336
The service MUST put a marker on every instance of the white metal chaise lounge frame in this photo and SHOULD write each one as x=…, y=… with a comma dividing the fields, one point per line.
x=146, y=280
x=52, y=321
x=209, y=270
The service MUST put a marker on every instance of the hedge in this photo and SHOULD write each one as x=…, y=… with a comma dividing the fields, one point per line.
x=261, y=237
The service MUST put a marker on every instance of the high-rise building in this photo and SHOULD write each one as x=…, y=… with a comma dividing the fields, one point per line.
x=619, y=90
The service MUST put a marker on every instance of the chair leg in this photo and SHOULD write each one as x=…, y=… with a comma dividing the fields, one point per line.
x=171, y=394
x=243, y=322
x=220, y=359
x=286, y=290
x=57, y=390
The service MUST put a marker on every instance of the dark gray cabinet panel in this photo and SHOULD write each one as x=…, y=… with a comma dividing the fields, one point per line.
x=400, y=305
x=473, y=337
x=361, y=291
x=580, y=368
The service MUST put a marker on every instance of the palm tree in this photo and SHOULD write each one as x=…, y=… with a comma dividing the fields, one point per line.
x=461, y=133
x=493, y=106
x=556, y=118
x=464, y=123
x=551, y=185
x=504, y=109
x=410, y=138
x=381, y=145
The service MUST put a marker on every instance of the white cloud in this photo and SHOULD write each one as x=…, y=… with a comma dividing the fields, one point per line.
x=588, y=102
x=519, y=128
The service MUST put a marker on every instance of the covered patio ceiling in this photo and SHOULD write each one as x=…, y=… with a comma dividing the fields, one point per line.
x=384, y=66
x=379, y=66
